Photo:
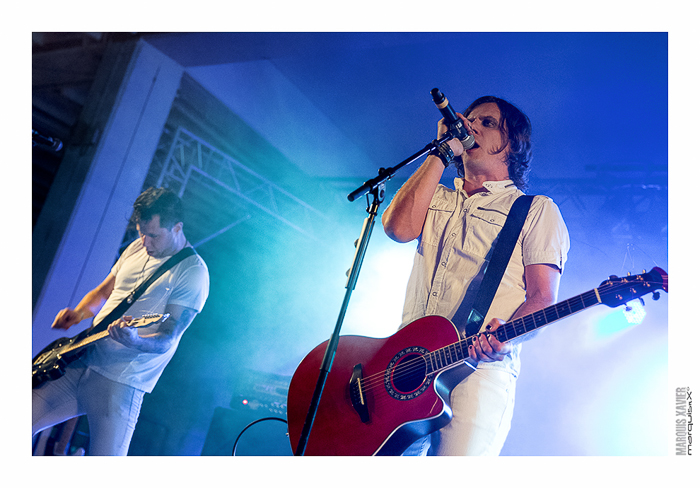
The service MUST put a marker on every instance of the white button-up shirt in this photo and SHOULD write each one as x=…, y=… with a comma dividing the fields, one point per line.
x=455, y=247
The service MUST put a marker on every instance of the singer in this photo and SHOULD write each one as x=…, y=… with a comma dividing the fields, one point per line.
x=456, y=230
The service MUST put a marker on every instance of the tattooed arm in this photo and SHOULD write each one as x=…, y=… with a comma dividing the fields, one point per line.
x=160, y=341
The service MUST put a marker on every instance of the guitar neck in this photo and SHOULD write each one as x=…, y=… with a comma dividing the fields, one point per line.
x=85, y=342
x=144, y=321
x=452, y=354
x=522, y=325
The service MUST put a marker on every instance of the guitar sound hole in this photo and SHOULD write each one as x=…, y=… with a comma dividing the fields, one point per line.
x=409, y=373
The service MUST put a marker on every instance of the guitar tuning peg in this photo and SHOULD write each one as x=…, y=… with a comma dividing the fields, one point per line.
x=656, y=295
x=629, y=274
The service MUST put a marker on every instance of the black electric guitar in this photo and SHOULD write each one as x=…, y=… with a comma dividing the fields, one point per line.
x=381, y=395
x=50, y=364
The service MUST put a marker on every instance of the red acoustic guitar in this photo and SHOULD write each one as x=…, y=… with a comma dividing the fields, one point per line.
x=381, y=395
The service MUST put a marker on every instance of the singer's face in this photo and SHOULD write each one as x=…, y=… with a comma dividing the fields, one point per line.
x=491, y=143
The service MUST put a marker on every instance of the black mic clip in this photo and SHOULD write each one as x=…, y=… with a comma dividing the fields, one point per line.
x=458, y=131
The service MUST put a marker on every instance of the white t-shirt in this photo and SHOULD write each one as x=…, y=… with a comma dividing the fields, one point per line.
x=453, y=252
x=185, y=284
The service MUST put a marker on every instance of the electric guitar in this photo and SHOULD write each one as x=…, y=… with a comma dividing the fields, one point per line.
x=381, y=395
x=50, y=364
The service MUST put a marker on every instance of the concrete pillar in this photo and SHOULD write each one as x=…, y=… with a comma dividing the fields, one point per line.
x=77, y=237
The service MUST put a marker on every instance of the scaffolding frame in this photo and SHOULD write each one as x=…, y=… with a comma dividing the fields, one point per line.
x=191, y=157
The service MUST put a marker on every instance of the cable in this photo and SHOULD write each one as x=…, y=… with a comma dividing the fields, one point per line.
x=233, y=453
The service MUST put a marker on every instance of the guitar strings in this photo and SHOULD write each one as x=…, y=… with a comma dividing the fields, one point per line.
x=406, y=368
x=94, y=337
x=411, y=366
x=414, y=366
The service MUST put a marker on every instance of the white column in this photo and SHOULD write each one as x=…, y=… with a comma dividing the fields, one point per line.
x=125, y=142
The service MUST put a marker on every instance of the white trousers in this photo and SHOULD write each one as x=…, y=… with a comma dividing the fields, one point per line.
x=482, y=407
x=112, y=408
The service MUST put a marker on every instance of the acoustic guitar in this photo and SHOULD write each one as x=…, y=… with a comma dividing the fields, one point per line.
x=381, y=395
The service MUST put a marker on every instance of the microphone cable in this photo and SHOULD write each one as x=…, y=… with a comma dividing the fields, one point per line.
x=233, y=452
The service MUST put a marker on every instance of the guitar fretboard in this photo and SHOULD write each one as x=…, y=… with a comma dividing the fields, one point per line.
x=528, y=323
x=86, y=341
x=448, y=356
x=136, y=323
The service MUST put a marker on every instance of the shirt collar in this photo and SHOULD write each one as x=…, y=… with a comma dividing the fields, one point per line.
x=491, y=186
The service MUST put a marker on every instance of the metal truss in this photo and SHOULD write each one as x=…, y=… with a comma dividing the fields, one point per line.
x=623, y=192
x=624, y=206
x=190, y=158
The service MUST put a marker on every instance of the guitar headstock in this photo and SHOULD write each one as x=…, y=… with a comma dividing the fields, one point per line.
x=149, y=319
x=616, y=291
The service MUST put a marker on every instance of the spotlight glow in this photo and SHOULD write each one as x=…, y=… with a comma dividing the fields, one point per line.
x=613, y=324
x=375, y=309
x=634, y=312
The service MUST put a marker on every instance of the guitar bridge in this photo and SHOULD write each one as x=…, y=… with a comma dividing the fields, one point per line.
x=359, y=401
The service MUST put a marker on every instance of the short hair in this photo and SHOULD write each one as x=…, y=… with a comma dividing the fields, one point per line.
x=158, y=201
x=516, y=128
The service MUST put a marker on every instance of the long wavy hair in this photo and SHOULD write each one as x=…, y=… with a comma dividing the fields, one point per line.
x=516, y=130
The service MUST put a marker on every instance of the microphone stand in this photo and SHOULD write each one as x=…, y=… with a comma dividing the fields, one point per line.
x=387, y=173
x=375, y=187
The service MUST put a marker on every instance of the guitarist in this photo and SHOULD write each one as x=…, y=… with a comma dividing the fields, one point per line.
x=108, y=383
x=455, y=229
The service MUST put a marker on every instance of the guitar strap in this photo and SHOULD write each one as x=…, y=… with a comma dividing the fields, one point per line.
x=500, y=257
x=120, y=309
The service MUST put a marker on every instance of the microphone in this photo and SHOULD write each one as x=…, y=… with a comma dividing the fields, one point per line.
x=453, y=122
x=47, y=142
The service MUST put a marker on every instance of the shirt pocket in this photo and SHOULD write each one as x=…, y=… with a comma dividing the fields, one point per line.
x=436, y=222
x=485, y=226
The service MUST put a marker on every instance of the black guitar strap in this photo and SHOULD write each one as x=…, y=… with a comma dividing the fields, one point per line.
x=500, y=257
x=120, y=309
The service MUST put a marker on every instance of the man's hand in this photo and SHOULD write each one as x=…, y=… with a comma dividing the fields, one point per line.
x=158, y=341
x=88, y=306
x=455, y=144
x=66, y=318
x=120, y=331
x=486, y=347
